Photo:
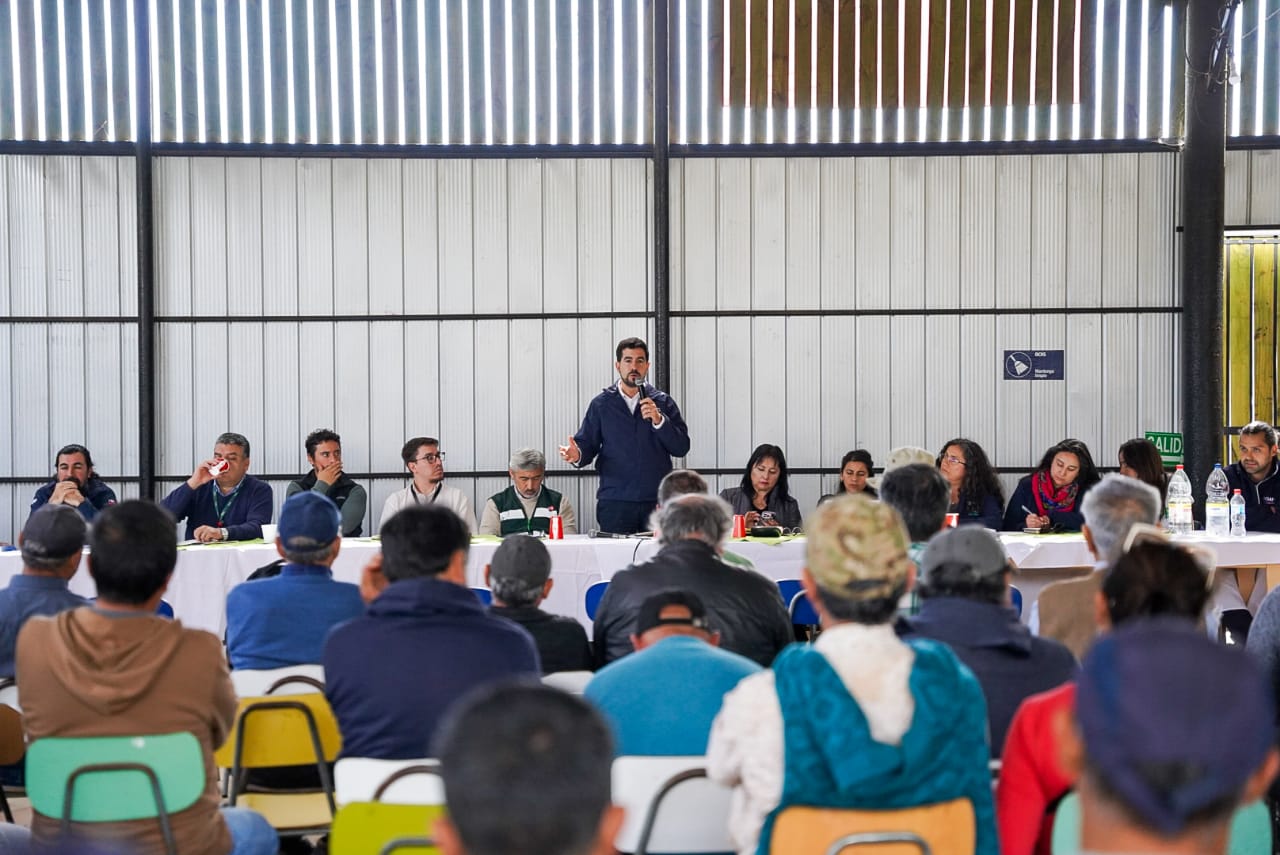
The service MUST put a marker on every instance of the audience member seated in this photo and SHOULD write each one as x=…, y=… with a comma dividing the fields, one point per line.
x=1172, y=733
x=763, y=497
x=918, y=492
x=855, y=468
x=1064, y=610
x=1049, y=498
x=965, y=593
x=324, y=453
x=663, y=698
x=75, y=484
x=682, y=482
x=520, y=578
x=425, y=461
x=526, y=769
x=745, y=607
x=976, y=495
x=1257, y=476
x=527, y=506
x=283, y=620
x=870, y=721
x=51, y=543
x=1139, y=458
x=1152, y=579
x=221, y=501
x=117, y=669
x=424, y=642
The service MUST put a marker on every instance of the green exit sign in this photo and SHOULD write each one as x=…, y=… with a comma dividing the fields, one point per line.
x=1170, y=445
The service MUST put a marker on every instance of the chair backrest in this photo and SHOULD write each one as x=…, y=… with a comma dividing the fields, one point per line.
x=1250, y=828
x=594, y=595
x=9, y=693
x=802, y=611
x=880, y=839
x=402, y=782
x=573, y=682
x=110, y=784
x=363, y=828
x=252, y=683
x=13, y=743
x=788, y=588
x=281, y=730
x=1015, y=598
x=671, y=806
x=484, y=595
x=946, y=828
x=165, y=610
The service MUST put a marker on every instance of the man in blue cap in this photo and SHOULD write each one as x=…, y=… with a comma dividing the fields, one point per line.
x=283, y=620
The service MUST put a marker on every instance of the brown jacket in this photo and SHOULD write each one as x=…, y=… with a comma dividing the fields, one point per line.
x=1066, y=612
x=86, y=673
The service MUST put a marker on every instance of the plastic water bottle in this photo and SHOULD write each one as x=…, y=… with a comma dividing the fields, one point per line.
x=1216, y=510
x=1179, y=503
x=1237, y=515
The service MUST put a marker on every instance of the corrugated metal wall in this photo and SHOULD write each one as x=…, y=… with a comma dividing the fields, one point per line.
x=1253, y=188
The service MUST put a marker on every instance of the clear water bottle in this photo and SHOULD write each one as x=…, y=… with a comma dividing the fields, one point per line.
x=1179, y=503
x=1217, y=491
x=1237, y=514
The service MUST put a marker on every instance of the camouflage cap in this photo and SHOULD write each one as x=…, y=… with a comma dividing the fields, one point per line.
x=857, y=548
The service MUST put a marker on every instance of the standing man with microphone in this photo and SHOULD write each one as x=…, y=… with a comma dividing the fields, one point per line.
x=632, y=431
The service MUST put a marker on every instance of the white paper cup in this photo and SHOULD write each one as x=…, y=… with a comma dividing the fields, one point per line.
x=268, y=532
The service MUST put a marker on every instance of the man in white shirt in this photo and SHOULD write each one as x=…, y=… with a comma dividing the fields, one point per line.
x=425, y=461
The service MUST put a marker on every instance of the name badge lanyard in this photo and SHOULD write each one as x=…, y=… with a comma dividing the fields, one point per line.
x=434, y=493
x=221, y=512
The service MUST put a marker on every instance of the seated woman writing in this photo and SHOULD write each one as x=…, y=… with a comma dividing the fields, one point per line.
x=1049, y=498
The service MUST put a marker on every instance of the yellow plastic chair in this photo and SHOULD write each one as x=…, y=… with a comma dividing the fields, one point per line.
x=384, y=827
x=284, y=730
x=946, y=828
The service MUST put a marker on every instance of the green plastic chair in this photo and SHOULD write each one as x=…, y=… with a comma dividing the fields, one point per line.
x=115, y=778
x=1250, y=828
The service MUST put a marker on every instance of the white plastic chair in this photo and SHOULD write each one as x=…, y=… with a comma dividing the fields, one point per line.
x=401, y=782
x=695, y=818
x=253, y=683
x=573, y=682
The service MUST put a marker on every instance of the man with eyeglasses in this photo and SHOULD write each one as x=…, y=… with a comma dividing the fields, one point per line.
x=425, y=461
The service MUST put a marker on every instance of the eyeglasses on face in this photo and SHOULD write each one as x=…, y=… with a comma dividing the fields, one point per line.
x=951, y=458
x=429, y=458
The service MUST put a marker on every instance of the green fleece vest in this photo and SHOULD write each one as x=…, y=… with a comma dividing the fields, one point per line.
x=511, y=512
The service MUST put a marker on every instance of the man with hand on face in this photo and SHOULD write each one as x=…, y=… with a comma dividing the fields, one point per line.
x=527, y=506
x=324, y=453
x=75, y=484
x=228, y=505
x=632, y=431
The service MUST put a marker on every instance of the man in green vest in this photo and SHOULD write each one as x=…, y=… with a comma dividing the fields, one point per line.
x=527, y=506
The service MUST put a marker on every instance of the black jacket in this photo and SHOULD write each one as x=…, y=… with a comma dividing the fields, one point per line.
x=561, y=641
x=744, y=606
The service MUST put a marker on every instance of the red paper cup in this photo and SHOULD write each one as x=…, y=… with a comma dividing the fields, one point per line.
x=557, y=528
x=739, y=525
x=953, y=520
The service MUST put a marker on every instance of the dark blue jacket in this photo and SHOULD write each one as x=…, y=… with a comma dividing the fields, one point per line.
x=391, y=674
x=97, y=493
x=1261, y=500
x=244, y=519
x=1015, y=518
x=283, y=620
x=633, y=455
x=1009, y=662
x=26, y=597
x=990, y=514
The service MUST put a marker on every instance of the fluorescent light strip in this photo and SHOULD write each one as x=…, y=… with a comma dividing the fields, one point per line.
x=131, y=42
x=246, y=117
x=683, y=136
x=922, y=110
x=62, y=71
x=791, y=71
x=1031, y=72
x=533, y=66
x=1075, y=89
x=444, y=73
x=813, y=73
x=1097, y=70
x=268, y=91
x=835, y=72
x=17, y=71
x=1166, y=114
x=901, y=61
x=357, y=112
x=595, y=72
x=575, y=119
x=178, y=134
x=487, y=34
x=335, y=105
x=986, y=108
x=639, y=74
x=202, y=113
x=379, y=84
x=1238, y=38
x=617, y=75
x=313, y=101
x=706, y=72
x=553, y=115
x=1053, y=95
x=223, y=118
x=768, y=113
x=1008, y=105
x=746, y=85
x=509, y=62
x=465, y=106
x=86, y=60
x=1259, y=101
x=1144, y=59
x=1121, y=70
x=109, y=14
x=968, y=50
x=290, y=82
x=879, y=115
x=422, y=72
x=726, y=42
x=153, y=39
x=400, y=74
x=857, y=74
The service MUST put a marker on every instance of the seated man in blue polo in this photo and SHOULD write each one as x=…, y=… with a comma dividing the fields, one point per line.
x=221, y=500
x=662, y=699
x=283, y=620
x=51, y=543
x=527, y=506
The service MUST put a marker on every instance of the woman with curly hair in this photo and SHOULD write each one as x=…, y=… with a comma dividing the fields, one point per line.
x=1049, y=498
x=976, y=495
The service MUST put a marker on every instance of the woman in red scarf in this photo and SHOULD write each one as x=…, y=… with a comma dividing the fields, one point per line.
x=1049, y=498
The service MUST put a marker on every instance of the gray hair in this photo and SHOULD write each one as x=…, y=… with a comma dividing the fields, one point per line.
x=527, y=460
x=515, y=591
x=696, y=516
x=313, y=557
x=231, y=438
x=1115, y=505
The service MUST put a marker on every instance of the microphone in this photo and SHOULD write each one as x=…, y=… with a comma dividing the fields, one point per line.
x=595, y=532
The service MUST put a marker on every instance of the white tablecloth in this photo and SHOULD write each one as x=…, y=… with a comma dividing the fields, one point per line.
x=205, y=574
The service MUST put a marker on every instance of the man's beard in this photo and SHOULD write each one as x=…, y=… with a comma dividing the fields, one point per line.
x=74, y=480
x=626, y=378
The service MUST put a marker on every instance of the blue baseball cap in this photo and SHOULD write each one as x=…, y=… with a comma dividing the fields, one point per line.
x=308, y=521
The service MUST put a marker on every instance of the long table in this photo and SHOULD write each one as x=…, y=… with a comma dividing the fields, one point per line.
x=205, y=574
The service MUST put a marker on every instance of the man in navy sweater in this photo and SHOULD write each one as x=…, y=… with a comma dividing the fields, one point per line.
x=221, y=501
x=632, y=431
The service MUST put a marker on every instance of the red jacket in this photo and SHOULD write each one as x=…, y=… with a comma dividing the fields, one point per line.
x=1031, y=777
